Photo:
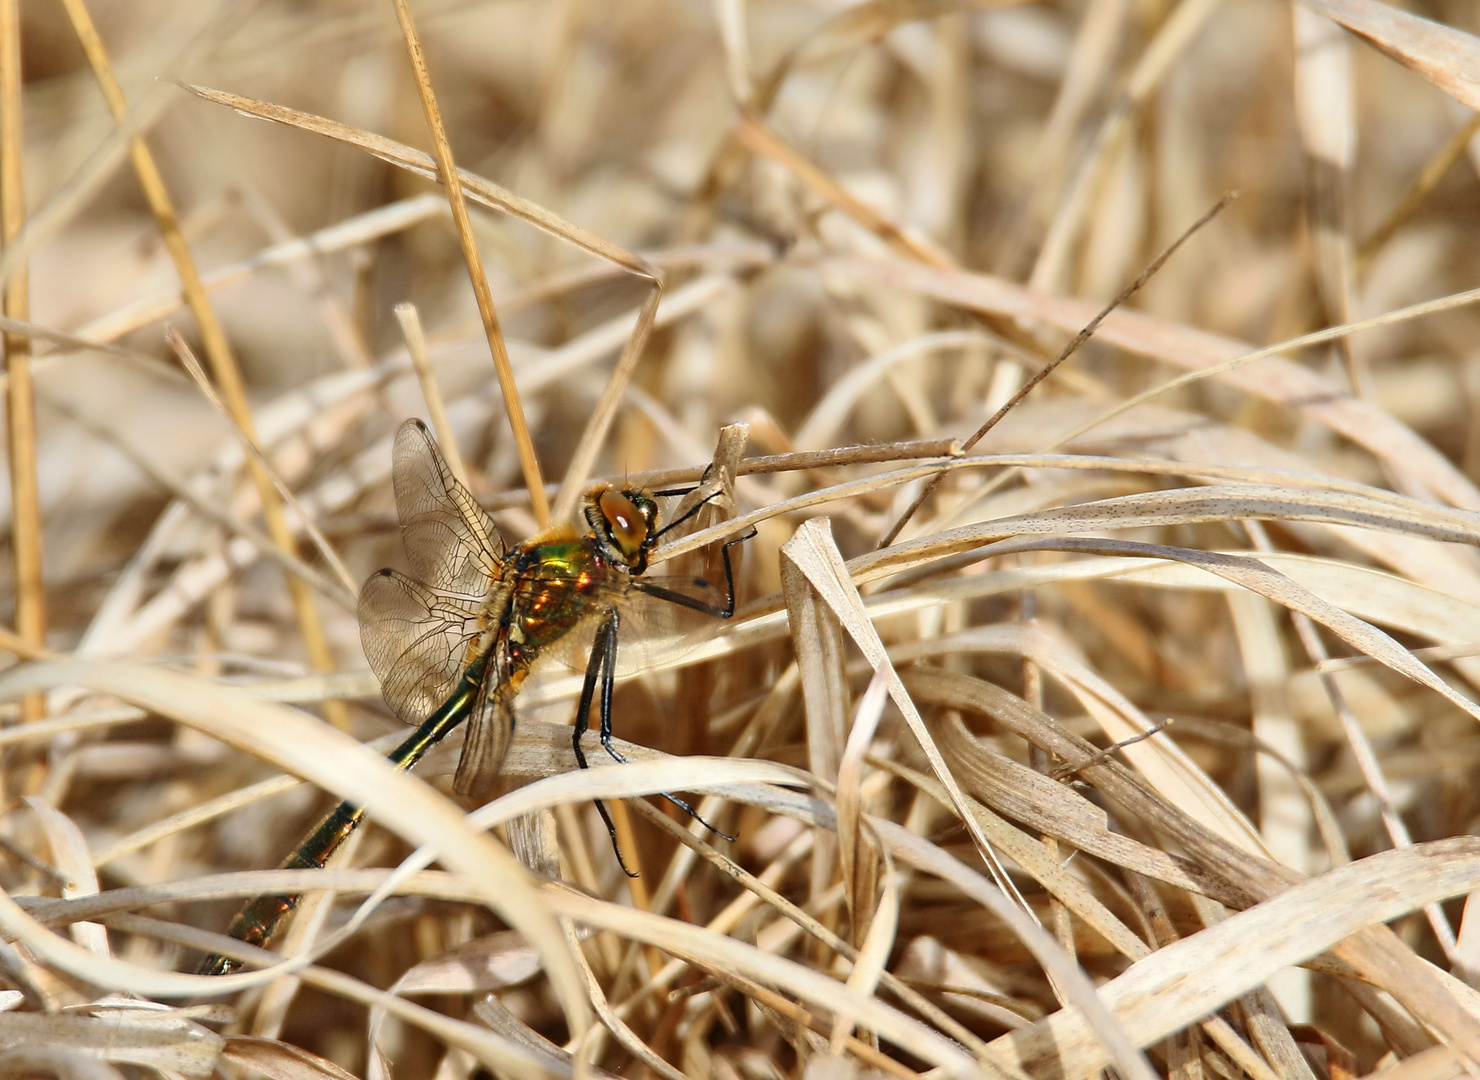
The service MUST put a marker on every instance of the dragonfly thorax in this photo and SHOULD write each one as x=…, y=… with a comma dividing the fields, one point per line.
x=624, y=526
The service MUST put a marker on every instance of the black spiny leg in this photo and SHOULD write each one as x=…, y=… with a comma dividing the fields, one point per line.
x=608, y=681
x=719, y=611
x=603, y=655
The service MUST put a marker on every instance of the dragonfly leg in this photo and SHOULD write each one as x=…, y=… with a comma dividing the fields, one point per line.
x=608, y=680
x=594, y=666
x=688, y=513
x=603, y=650
x=724, y=554
x=719, y=611
x=608, y=683
x=687, y=809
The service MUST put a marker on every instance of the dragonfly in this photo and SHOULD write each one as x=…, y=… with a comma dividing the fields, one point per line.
x=454, y=641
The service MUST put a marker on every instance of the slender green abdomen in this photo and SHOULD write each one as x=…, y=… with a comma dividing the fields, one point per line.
x=260, y=918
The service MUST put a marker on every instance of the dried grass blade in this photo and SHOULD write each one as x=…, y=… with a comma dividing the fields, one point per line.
x=1190, y=978
x=1325, y=109
x=633, y=779
x=69, y=851
x=495, y=1049
x=767, y=894
x=68, y=199
x=264, y=468
x=1029, y=853
x=1433, y=1063
x=1260, y=578
x=1418, y=192
x=753, y=133
x=20, y=399
x=362, y=229
x=1180, y=506
x=196, y=815
x=1175, y=35
x=625, y=1036
x=278, y=1060
x=416, y=345
x=816, y=555
x=817, y=644
x=133, y=1036
x=1367, y=593
x=873, y=951
x=855, y=852
x=589, y=445
x=40, y=1059
x=1447, y=57
x=75, y=343
x=493, y=1014
x=494, y=962
x=720, y=953
x=1205, y=355
x=1447, y=1004
x=1269, y=1031
x=1257, y=577
x=297, y=743
x=851, y=28
x=484, y=192
x=958, y=691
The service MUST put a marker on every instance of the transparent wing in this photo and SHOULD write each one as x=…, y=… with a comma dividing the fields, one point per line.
x=418, y=641
x=658, y=632
x=490, y=729
x=451, y=543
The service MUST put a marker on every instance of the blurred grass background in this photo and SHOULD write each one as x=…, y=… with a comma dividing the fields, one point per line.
x=1058, y=144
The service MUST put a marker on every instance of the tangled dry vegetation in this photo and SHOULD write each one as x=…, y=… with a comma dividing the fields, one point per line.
x=1249, y=543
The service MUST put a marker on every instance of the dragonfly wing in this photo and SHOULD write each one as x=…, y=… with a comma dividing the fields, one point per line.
x=490, y=729
x=418, y=641
x=654, y=633
x=659, y=631
x=450, y=542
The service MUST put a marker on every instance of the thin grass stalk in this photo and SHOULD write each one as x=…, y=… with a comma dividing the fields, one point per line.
x=213, y=339
x=25, y=494
x=447, y=168
x=1069, y=350
x=346, y=584
x=1422, y=187
x=64, y=203
x=431, y=393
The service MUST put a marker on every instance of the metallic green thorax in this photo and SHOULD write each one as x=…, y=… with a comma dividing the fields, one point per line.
x=260, y=918
x=556, y=583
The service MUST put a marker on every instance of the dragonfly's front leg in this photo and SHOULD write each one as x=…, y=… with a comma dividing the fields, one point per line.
x=719, y=611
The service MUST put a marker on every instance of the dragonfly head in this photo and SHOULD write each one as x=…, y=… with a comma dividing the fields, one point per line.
x=624, y=524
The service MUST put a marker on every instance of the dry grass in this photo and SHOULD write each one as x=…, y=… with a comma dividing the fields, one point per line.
x=859, y=230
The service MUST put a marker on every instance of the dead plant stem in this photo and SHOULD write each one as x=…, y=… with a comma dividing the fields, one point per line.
x=30, y=597
x=447, y=169
x=213, y=339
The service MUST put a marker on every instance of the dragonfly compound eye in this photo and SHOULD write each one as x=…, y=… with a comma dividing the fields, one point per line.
x=626, y=524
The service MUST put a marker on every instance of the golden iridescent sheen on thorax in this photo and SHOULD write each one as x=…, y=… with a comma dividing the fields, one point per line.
x=557, y=582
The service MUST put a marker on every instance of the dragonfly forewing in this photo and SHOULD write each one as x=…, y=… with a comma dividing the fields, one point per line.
x=451, y=543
